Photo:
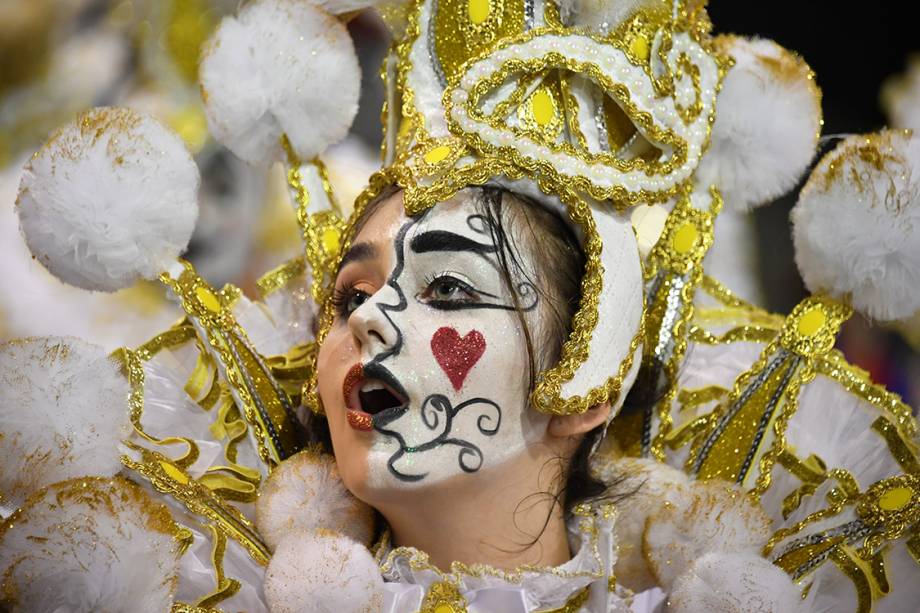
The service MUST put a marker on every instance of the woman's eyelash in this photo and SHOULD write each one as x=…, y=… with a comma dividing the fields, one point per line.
x=340, y=298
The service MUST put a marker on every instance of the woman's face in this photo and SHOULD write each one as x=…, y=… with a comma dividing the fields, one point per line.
x=424, y=373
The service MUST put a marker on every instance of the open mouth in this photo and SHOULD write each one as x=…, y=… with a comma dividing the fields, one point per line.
x=371, y=392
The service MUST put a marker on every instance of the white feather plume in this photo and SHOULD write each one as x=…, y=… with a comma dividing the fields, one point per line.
x=281, y=67
x=89, y=544
x=322, y=572
x=768, y=119
x=856, y=225
x=63, y=410
x=735, y=582
x=305, y=493
x=111, y=197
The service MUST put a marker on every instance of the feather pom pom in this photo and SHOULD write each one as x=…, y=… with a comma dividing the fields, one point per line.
x=856, y=226
x=304, y=493
x=280, y=68
x=89, y=544
x=768, y=119
x=63, y=406
x=714, y=516
x=322, y=572
x=735, y=582
x=110, y=198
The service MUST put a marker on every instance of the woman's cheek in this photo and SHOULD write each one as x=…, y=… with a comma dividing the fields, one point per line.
x=337, y=354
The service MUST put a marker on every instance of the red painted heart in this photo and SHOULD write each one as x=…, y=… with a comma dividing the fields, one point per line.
x=457, y=355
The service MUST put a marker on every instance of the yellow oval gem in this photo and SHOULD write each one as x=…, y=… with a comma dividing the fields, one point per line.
x=173, y=472
x=331, y=240
x=207, y=298
x=812, y=321
x=685, y=238
x=444, y=608
x=639, y=47
x=895, y=499
x=438, y=154
x=479, y=11
x=542, y=107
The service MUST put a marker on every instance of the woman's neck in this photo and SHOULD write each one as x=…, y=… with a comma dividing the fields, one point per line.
x=504, y=517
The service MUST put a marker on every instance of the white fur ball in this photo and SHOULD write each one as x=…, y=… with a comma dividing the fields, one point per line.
x=322, y=572
x=856, y=226
x=304, y=493
x=63, y=410
x=901, y=97
x=89, y=544
x=735, y=583
x=768, y=119
x=281, y=67
x=110, y=198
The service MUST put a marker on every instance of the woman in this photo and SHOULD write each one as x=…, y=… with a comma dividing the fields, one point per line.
x=483, y=316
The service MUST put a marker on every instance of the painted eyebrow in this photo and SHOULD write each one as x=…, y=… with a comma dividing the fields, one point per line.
x=359, y=252
x=439, y=240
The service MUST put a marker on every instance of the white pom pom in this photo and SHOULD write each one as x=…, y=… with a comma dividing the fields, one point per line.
x=89, y=545
x=322, y=572
x=768, y=118
x=857, y=225
x=110, y=198
x=64, y=409
x=304, y=493
x=735, y=582
x=651, y=484
x=282, y=67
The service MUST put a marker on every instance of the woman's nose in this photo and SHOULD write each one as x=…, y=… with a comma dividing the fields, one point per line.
x=371, y=327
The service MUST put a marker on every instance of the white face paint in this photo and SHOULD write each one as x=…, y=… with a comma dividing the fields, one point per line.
x=441, y=382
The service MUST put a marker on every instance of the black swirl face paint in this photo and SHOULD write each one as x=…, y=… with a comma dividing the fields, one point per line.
x=456, y=356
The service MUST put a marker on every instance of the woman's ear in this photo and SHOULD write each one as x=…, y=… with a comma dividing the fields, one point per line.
x=579, y=423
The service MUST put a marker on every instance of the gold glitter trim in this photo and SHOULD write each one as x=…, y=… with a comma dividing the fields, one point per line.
x=281, y=276
x=857, y=382
x=169, y=478
x=620, y=93
x=265, y=403
x=322, y=230
x=226, y=588
x=443, y=597
x=858, y=575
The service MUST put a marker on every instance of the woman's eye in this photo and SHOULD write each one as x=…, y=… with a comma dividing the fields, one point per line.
x=348, y=301
x=355, y=300
x=448, y=289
